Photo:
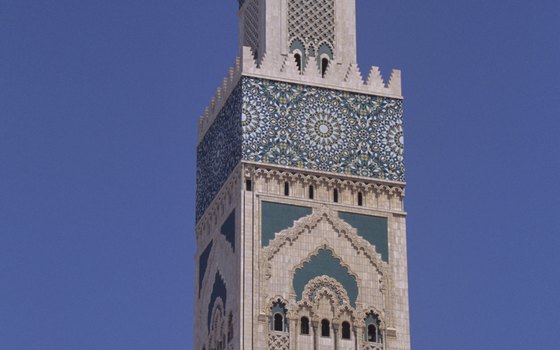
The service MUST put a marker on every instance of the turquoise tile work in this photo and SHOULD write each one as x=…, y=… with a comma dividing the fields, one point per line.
x=203, y=264
x=304, y=127
x=218, y=153
x=277, y=217
x=324, y=263
x=218, y=291
x=322, y=129
x=372, y=228
x=228, y=229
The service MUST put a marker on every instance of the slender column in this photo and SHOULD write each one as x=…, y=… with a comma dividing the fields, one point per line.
x=315, y=335
x=335, y=327
x=293, y=333
x=359, y=337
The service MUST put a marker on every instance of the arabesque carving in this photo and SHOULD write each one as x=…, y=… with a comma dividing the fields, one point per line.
x=306, y=224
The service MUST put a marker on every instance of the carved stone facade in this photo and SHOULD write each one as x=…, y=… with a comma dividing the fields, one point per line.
x=301, y=228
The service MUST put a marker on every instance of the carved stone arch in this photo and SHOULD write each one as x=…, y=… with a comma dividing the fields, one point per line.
x=308, y=223
x=305, y=308
x=380, y=315
x=325, y=48
x=324, y=246
x=213, y=271
x=276, y=300
x=217, y=310
x=217, y=324
x=325, y=286
x=347, y=313
x=213, y=299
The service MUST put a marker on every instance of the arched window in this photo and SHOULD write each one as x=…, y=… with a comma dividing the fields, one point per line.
x=372, y=333
x=304, y=326
x=335, y=195
x=297, y=58
x=286, y=189
x=278, y=322
x=324, y=66
x=345, y=330
x=325, y=328
x=372, y=328
x=311, y=192
x=360, y=199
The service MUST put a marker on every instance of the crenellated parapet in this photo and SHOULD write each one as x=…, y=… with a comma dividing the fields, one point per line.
x=218, y=101
x=338, y=76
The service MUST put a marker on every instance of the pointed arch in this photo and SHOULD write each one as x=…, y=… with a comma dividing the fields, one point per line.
x=306, y=224
x=219, y=292
x=324, y=263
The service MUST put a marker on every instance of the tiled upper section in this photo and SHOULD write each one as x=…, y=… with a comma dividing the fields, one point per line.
x=304, y=127
x=322, y=129
x=219, y=152
x=277, y=217
x=373, y=229
x=325, y=264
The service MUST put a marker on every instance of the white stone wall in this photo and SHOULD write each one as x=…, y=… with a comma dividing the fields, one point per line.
x=268, y=275
x=222, y=260
x=255, y=276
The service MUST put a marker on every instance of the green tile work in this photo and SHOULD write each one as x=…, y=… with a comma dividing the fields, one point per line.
x=324, y=263
x=277, y=217
x=202, y=265
x=373, y=229
x=228, y=229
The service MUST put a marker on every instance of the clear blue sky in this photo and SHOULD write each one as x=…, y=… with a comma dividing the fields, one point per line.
x=99, y=103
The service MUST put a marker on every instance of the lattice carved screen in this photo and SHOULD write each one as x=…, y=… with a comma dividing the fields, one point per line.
x=251, y=26
x=312, y=22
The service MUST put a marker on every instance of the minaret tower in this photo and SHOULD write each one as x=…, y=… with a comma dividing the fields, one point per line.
x=300, y=222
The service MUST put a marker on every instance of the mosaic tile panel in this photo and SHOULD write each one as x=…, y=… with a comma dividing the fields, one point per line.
x=304, y=127
x=325, y=264
x=321, y=129
x=203, y=264
x=218, y=153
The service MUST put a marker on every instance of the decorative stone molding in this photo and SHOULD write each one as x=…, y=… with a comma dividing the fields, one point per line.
x=326, y=286
x=372, y=346
x=278, y=341
x=223, y=200
x=310, y=177
x=378, y=313
x=217, y=329
x=304, y=225
x=391, y=332
x=339, y=76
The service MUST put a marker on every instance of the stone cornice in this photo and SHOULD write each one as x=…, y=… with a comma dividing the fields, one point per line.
x=331, y=179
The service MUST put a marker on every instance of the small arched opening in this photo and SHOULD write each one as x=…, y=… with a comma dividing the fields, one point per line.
x=278, y=322
x=299, y=64
x=324, y=66
x=325, y=328
x=304, y=326
x=345, y=330
x=372, y=334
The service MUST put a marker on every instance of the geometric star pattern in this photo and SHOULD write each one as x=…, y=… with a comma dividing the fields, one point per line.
x=304, y=127
x=322, y=129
